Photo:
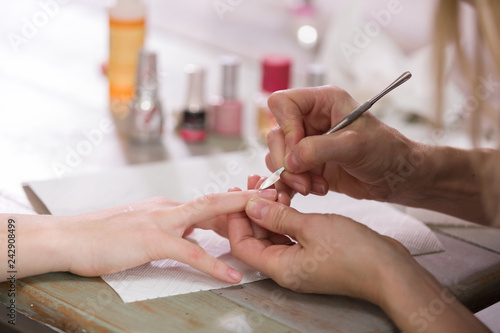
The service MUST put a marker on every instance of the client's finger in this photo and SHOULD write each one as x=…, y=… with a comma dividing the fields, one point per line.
x=212, y=205
x=252, y=181
x=196, y=257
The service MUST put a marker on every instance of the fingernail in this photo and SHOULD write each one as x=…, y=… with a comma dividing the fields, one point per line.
x=269, y=193
x=318, y=188
x=291, y=162
x=299, y=188
x=234, y=275
x=257, y=209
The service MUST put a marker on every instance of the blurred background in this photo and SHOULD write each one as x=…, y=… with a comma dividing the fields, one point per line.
x=54, y=88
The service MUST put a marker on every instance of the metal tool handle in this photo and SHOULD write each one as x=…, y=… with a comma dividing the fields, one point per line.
x=368, y=104
x=399, y=81
x=350, y=117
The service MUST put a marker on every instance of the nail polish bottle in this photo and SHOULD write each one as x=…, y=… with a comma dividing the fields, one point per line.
x=146, y=116
x=275, y=76
x=228, y=110
x=194, y=116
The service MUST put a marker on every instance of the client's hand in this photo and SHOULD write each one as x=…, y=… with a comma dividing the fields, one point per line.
x=114, y=239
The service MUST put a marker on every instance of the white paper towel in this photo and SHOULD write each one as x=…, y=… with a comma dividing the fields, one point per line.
x=168, y=277
x=189, y=178
x=379, y=216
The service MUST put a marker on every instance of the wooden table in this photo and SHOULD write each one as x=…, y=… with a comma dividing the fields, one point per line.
x=53, y=92
x=79, y=304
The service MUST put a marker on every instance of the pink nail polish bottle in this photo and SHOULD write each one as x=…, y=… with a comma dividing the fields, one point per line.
x=194, y=127
x=228, y=111
x=275, y=76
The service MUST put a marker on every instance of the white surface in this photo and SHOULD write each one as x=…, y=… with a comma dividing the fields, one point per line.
x=168, y=277
x=381, y=217
x=433, y=218
x=490, y=317
x=185, y=179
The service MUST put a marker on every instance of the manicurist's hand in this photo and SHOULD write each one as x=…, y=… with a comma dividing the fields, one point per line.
x=355, y=160
x=283, y=197
x=333, y=254
x=336, y=255
x=368, y=159
x=118, y=238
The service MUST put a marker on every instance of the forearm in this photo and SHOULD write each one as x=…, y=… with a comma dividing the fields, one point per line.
x=444, y=179
x=34, y=243
x=416, y=302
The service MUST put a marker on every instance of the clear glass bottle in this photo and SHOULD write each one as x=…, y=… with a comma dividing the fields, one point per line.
x=194, y=116
x=228, y=110
x=146, y=115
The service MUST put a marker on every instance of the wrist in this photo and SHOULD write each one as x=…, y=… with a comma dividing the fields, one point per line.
x=443, y=179
x=55, y=244
x=416, y=302
x=42, y=245
x=404, y=290
x=63, y=243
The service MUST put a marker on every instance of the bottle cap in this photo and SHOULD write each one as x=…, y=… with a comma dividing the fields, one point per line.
x=147, y=76
x=230, y=64
x=315, y=75
x=275, y=73
x=196, y=87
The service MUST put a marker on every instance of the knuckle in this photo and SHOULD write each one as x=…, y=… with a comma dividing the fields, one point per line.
x=342, y=95
x=154, y=214
x=279, y=216
x=351, y=136
x=215, y=265
x=195, y=253
x=210, y=199
x=159, y=200
x=205, y=202
x=274, y=133
x=354, y=141
x=275, y=99
x=304, y=150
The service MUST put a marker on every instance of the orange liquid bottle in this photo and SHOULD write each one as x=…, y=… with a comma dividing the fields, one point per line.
x=126, y=37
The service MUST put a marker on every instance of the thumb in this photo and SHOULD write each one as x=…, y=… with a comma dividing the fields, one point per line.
x=276, y=217
x=315, y=150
